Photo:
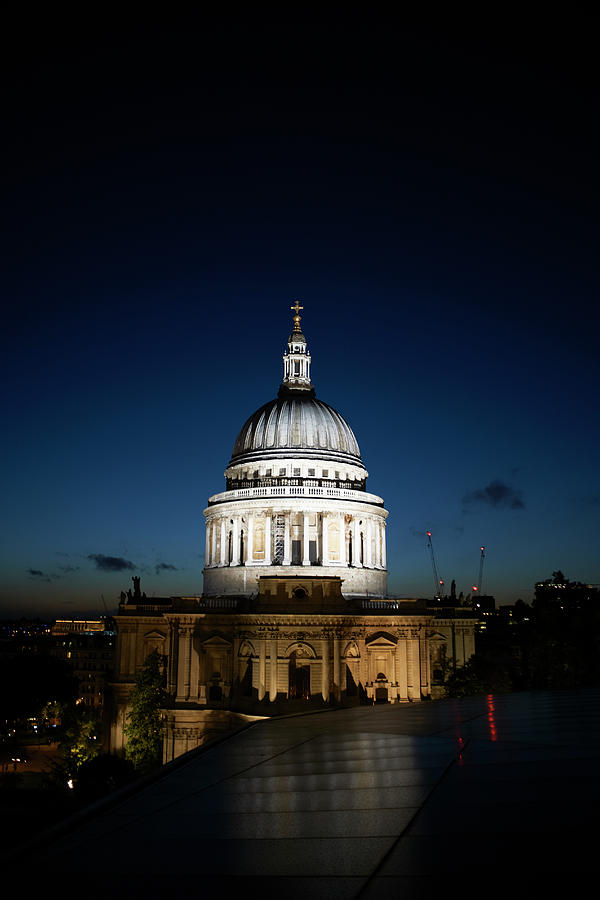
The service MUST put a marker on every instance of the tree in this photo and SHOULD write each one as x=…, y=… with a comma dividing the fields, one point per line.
x=144, y=728
x=480, y=675
x=81, y=739
x=99, y=776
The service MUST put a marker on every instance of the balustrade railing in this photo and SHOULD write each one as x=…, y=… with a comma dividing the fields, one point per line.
x=234, y=484
x=300, y=490
x=218, y=602
x=380, y=604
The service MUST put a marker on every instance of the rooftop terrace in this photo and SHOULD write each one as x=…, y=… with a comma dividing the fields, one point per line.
x=488, y=796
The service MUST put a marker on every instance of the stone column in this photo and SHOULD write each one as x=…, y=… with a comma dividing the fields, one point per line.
x=305, y=553
x=183, y=669
x=414, y=680
x=356, y=544
x=325, y=669
x=194, y=669
x=250, y=551
x=425, y=665
x=173, y=657
x=207, y=544
x=342, y=540
x=235, y=554
x=122, y=653
x=401, y=668
x=223, y=542
x=324, y=522
x=368, y=541
x=268, y=548
x=336, y=669
x=383, y=550
x=273, y=669
x=131, y=647
x=262, y=669
x=287, y=539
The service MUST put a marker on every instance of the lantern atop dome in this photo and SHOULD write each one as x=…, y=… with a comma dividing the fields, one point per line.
x=296, y=362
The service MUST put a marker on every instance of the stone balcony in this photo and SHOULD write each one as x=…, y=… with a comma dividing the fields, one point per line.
x=294, y=491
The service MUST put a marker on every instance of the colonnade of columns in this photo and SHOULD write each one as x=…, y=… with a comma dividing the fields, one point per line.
x=406, y=667
x=288, y=537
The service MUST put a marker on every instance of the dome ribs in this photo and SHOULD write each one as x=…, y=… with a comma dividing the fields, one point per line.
x=259, y=431
x=296, y=422
x=283, y=425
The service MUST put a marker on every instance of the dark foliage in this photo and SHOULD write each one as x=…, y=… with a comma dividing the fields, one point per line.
x=144, y=728
x=101, y=776
x=553, y=644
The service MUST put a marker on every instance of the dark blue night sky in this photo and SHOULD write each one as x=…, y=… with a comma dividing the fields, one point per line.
x=430, y=195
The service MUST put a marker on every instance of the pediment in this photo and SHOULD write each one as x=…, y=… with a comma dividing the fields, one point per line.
x=438, y=637
x=381, y=640
x=154, y=636
x=216, y=641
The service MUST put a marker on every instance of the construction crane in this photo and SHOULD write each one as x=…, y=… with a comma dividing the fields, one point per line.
x=438, y=590
x=477, y=587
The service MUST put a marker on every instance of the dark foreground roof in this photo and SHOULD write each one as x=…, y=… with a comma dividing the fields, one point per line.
x=484, y=797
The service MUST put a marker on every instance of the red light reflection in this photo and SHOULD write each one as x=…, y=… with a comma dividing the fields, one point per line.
x=491, y=717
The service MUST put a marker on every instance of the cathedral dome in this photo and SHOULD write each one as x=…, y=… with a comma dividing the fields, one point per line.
x=295, y=497
x=293, y=422
x=296, y=426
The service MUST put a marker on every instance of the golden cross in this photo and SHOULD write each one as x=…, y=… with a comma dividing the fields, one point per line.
x=296, y=307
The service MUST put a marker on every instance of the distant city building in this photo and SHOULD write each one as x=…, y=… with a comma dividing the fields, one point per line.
x=78, y=626
x=88, y=646
x=568, y=595
x=294, y=610
x=23, y=637
x=484, y=604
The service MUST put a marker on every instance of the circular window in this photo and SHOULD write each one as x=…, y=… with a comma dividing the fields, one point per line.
x=299, y=593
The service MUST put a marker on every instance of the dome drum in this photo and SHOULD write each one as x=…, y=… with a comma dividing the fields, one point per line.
x=314, y=533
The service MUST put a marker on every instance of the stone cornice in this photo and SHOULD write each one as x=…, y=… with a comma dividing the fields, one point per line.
x=285, y=495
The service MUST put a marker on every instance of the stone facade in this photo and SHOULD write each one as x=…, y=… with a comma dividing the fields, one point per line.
x=294, y=611
x=299, y=643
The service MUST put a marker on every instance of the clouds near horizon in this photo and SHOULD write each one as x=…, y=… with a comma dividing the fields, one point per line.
x=111, y=563
x=497, y=495
x=164, y=567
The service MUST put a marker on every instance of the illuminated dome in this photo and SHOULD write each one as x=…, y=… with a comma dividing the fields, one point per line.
x=296, y=421
x=295, y=499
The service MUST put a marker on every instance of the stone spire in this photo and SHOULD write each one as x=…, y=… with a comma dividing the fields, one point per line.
x=296, y=362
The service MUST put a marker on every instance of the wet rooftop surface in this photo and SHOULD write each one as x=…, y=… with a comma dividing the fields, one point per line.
x=480, y=797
